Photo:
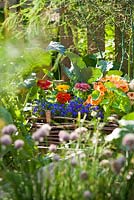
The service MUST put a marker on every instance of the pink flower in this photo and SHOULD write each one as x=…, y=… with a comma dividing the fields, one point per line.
x=9, y=129
x=52, y=148
x=87, y=194
x=64, y=136
x=118, y=164
x=18, y=144
x=6, y=140
x=128, y=141
x=82, y=86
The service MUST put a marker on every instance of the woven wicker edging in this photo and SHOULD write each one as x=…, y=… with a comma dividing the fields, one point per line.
x=58, y=123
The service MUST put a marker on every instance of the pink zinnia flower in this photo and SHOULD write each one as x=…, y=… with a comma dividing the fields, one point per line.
x=82, y=86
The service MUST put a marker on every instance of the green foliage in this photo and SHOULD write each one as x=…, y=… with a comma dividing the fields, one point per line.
x=81, y=71
x=95, y=94
x=129, y=116
x=5, y=116
x=90, y=60
x=115, y=72
x=16, y=64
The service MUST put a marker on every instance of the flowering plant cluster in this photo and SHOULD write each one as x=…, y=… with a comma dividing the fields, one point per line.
x=70, y=109
x=62, y=100
x=112, y=94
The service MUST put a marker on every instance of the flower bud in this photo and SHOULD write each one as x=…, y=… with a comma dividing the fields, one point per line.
x=56, y=157
x=64, y=136
x=73, y=162
x=74, y=135
x=83, y=175
x=128, y=141
x=131, y=85
x=6, y=140
x=18, y=144
x=9, y=129
x=87, y=194
x=118, y=164
x=52, y=148
x=81, y=130
x=105, y=163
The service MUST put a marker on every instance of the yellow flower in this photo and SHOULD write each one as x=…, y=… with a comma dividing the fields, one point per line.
x=62, y=87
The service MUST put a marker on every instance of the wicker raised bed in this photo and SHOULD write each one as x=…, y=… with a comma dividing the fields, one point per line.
x=57, y=124
x=63, y=123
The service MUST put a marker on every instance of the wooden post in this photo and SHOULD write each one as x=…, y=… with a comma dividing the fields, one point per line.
x=96, y=36
x=66, y=39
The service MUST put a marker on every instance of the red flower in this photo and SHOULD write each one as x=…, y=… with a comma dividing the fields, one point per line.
x=63, y=97
x=44, y=84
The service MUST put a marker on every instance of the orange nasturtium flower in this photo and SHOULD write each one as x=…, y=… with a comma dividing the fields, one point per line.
x=62, y=87
x=118, y=81
x=91, y=101
x=100, y=87
x=123, y=85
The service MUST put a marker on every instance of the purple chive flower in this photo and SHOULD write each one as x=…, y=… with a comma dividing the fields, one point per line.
x=82, y=86
x=118, y=164
x=128, y=141
x=42, y=132
x=56, y=157
x=81, y=130
x=6, y=140
x=64, y=136
x=9, y=129
x=36, y=136
x=83, y=175
x=87, y=194
x=74, y=162
x=52, y=148
x=74, y=135
x=18, y=144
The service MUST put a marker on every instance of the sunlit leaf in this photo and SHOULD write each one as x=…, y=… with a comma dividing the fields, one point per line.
x=95, y=94
x=76, y=60
x=95, y=74
x=129, y=116
x=115, y=72
x=125, y=105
